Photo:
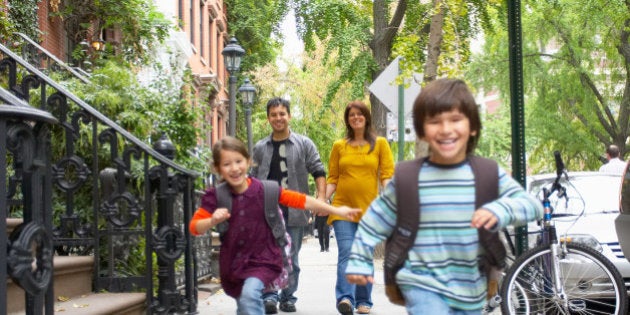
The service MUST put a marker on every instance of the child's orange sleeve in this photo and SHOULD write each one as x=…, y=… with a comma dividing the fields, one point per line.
x=200, y=214
x=291, y=198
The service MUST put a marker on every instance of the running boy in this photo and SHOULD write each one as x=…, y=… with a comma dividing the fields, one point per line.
x=441, y=274
x=250, y=259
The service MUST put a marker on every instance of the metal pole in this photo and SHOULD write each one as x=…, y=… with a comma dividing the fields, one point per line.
x=248, y=122
x=401, y=119
x=517, y=112
x=232, y=110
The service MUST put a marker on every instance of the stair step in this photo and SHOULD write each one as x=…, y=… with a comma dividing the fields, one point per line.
x=104, y=303
x=72, y=277
x=101, y=304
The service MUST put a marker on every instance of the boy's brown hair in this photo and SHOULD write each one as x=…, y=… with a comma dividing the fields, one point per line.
x=444, y=95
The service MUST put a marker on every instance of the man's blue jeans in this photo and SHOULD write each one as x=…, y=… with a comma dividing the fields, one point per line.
x=420, y=301
x=286, y=295
x=357, y=294
x=250, y=301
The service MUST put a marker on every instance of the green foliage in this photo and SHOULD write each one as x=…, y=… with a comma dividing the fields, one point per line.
x=22, y=17
x=256, y=25
x=574, y=77
x=142, y=26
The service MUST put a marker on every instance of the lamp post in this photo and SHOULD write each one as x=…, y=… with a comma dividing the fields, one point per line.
x=248, y=94
x=232, y=54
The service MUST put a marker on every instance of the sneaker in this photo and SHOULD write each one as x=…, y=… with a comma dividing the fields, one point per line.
x=344, y=307
x=363, y=309
x=271, y=307
x=287, y=307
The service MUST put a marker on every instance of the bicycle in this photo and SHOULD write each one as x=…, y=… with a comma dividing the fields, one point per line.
x=561, y=277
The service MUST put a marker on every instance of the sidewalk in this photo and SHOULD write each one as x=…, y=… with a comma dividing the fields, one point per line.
x=316, y=293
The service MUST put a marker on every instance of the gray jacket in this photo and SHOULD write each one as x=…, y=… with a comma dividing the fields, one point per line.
x=302, y=159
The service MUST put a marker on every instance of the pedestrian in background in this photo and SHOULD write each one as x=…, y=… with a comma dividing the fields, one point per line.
x=614, y=165
x=323, y=231
x=249, y=258
x=358, y=164
x=441, y=274
x=288, y=158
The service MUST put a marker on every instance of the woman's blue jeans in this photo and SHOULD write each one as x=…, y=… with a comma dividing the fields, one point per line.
x=357, y=294
x=250, y=301
x=420, y=301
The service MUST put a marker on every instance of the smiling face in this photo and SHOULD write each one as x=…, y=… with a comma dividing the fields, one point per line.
x=279, y=117
x=447, y=134
x=233, y=168
x=356, y=120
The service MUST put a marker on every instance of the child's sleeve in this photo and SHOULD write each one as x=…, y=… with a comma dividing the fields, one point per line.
x=292, y=199
x=200, y=214
x=375, y=226
x=514, y=206
x=208, y=205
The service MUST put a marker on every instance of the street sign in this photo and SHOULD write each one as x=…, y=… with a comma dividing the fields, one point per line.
x=386, y=89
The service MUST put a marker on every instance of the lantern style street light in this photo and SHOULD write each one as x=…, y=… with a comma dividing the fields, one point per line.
x=232, y=54
x=248, y=96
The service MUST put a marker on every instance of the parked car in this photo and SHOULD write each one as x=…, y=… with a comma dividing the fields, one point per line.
x=622, y=222
x=587, y=214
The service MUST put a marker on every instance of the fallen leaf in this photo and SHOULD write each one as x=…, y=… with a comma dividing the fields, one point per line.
x=62, y=298
x=80, y=305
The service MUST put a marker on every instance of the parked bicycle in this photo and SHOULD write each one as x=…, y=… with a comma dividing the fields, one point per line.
x=559, y=276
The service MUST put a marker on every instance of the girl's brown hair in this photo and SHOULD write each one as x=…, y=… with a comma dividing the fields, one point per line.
x=368, y=133
x=444, y=95
x=229, y=144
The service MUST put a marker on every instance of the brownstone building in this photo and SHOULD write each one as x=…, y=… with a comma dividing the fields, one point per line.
x=200, y=36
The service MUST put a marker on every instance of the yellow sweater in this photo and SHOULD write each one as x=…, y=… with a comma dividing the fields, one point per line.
x=357, y=174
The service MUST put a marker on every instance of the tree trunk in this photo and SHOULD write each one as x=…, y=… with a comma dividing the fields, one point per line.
x=381, y=45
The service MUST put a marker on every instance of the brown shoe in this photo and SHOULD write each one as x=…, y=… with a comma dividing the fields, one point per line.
x=344, y=307
x=363, y=309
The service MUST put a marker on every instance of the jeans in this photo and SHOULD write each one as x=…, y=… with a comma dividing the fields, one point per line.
x=286, y=295
x=420, y=301
x=250, y=301
x=357, y=294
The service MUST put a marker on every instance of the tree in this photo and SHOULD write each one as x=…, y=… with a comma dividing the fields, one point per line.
x=577, y=83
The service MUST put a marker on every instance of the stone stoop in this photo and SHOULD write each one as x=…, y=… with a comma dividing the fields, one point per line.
x=104, y=304
x=73, y=292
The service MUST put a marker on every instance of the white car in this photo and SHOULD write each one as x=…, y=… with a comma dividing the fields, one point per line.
x=587, y=215
x=622, y=223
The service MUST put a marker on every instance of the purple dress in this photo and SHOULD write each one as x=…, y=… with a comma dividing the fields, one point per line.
x=248, y=248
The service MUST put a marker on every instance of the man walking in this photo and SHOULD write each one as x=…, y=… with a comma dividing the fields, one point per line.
x=614, y=165
x=288, y=158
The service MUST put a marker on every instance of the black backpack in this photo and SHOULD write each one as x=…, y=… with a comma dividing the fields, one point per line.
x=275, y=220
x=407, y=200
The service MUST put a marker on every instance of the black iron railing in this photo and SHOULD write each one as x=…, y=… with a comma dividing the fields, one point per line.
x=105, y=193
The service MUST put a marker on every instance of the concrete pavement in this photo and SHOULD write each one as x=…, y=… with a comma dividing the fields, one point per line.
x=316, y=292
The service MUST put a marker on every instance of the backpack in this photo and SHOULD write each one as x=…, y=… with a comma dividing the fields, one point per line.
x=403, y=237
x=275, y=220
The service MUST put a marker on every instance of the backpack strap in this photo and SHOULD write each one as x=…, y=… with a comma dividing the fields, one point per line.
x=224, y=200
x=486, y=173
x=407, y=218
x=272, y=214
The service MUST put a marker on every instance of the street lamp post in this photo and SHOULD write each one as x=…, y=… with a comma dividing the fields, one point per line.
x=232, y=54
x=248, y=94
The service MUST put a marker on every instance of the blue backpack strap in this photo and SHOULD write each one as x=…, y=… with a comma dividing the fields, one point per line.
x=272, y=213
x=224, y=200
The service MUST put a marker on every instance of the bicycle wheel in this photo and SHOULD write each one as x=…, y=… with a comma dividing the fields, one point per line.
x=591, y=284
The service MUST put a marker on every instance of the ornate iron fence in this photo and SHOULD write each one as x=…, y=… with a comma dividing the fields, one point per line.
x=109, y=194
